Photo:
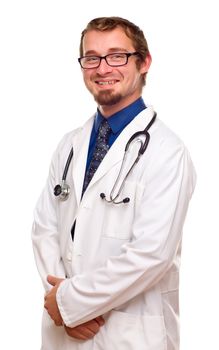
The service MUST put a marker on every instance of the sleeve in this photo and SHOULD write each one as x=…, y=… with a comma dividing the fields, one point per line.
x=156, y=236
x=45, y=231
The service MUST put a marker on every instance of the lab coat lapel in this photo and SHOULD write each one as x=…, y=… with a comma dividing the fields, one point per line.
x=116, y=152
x=80, y=148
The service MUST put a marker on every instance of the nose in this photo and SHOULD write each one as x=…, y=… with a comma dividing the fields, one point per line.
x=104, y=67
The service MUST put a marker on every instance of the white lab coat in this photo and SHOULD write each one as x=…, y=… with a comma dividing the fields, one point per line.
x=124, y=261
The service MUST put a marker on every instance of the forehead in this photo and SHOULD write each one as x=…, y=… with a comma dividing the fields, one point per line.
x=97, y=42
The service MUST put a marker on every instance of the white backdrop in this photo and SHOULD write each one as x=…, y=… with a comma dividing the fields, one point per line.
x=42, y=97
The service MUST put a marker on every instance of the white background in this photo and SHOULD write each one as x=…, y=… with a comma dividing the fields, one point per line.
x=42, y=97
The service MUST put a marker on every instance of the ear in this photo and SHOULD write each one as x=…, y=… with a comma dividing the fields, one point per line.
x=145, y=65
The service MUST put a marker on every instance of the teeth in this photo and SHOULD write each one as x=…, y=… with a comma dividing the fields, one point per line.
x=106, y=82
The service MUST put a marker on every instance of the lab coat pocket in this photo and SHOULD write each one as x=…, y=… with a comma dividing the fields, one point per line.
x=118, y=218
x=124, y=331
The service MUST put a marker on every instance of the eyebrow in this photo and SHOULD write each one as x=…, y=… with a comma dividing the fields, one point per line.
x=111, y=50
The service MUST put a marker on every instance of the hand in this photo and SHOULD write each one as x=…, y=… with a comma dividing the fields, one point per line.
x=86, y=330
x=50, y=303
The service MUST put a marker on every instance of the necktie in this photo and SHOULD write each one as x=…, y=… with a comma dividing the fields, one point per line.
x=100, y=150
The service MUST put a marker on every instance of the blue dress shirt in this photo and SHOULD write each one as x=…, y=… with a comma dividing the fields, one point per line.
x=117, y=122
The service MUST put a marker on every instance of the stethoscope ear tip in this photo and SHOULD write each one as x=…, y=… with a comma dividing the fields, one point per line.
x=126, y=200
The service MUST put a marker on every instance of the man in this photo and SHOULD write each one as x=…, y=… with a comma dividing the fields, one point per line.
x=108, y=250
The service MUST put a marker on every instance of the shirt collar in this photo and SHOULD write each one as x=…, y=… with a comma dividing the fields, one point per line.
x=119, y=120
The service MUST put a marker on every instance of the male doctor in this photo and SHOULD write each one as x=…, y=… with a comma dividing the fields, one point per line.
x=109, y=254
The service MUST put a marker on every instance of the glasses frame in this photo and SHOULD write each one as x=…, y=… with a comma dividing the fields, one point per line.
x=127, y=54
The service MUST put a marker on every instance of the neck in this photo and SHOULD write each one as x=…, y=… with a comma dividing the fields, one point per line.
x=107, y=111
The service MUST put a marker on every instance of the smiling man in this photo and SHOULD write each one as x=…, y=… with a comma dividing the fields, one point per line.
x=115, y=80
x=107, y=238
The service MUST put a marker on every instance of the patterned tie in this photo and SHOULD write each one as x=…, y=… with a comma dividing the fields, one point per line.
x=100, y=150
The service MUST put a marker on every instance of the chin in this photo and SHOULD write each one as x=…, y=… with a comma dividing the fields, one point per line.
x=106, y=98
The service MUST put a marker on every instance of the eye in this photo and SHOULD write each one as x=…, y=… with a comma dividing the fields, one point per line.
x=117, y=56
x=91, y=59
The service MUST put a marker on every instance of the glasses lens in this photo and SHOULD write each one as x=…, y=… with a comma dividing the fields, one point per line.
x=90, y=61
x=116, y=59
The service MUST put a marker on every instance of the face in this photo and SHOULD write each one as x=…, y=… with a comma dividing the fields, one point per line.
x=113, y=88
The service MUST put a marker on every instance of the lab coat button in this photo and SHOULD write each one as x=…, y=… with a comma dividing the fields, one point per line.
x=69, y=257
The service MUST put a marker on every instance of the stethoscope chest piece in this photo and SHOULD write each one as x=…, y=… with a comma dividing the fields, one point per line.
x=62, y=191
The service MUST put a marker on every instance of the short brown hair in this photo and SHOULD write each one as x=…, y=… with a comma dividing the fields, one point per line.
x=109, y=23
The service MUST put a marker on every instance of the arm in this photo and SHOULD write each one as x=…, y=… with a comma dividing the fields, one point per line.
x=45, y=232
x=84, y=331
x=47, y=255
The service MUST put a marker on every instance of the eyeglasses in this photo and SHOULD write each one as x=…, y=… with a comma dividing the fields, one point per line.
x=112, y=59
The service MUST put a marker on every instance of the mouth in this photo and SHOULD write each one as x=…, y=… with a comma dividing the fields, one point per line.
x=106, y=82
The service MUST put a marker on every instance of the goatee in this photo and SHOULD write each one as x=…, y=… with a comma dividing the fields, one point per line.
x=106, y=98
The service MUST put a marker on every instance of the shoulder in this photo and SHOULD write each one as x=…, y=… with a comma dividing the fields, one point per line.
x=66, y=142
x=168, y=154
x=161, y=134
x=165, y=136
x=166, y=148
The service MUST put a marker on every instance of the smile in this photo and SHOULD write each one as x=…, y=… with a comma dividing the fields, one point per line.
x=110, y=82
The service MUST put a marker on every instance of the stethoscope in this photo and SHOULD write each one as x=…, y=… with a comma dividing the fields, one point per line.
x=62, y=190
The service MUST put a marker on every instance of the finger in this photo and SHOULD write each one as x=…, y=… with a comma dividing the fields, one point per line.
x=75, y=334
x=58, y=323
x=92, y=325
x=57, y=320
x=79, y=333
x=100, y=320
x=52, y=280
x=45, y=295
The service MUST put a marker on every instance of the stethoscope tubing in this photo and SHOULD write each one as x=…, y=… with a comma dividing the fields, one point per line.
x=141, y=151
x=62, y=191
x=67, y=165
x=113, y=199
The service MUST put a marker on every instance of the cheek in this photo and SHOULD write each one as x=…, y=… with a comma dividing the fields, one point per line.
x=86, y=77
x=132, y=80
x=136, y=78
